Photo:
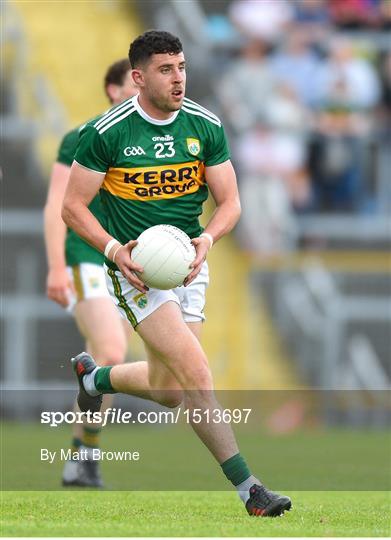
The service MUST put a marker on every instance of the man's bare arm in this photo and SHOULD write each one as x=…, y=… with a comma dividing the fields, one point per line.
x=55, y=228
x=222, y=184
x=58, y=283
x=82, y=187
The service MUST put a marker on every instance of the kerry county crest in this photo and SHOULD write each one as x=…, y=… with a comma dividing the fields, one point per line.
x=193, y=146
x=141, y=300
x=94, y=282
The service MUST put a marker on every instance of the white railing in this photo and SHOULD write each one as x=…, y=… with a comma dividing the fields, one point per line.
x=314, y=316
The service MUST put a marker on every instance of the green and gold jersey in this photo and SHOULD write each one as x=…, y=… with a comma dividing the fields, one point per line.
x=154, y=169
x=76, y=249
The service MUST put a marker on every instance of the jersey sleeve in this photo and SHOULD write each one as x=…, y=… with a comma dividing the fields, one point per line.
x=92, y=151
x=67, y=148
x=218, y=150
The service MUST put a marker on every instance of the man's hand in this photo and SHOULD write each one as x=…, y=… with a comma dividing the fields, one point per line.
x=59, y=286
x=128, y=267
x=202, y=246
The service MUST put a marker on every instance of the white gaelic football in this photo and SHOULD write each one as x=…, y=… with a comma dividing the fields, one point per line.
x=165, y=253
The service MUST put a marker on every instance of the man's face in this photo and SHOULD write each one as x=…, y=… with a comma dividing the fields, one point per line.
x=163, y=81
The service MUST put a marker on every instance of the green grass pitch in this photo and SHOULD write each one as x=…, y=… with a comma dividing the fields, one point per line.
x=351, y=460
x=75, y=513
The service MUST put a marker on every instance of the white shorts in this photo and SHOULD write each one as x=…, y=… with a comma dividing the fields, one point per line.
x=89, y=281
x=136, y=306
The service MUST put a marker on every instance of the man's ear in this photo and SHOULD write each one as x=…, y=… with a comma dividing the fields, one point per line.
x=137, y=76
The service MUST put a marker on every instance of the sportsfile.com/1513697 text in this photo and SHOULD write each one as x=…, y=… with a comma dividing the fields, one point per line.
x=117, y=416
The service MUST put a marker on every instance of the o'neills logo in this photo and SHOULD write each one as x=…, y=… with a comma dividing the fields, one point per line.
x=160, y=182
x=165, y=138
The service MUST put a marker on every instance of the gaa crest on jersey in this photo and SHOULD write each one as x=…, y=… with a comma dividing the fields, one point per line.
x=141, y=300
x=193, y=146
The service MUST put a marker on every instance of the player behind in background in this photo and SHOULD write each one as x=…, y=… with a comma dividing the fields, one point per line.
x=181, y=155
x=76, y=279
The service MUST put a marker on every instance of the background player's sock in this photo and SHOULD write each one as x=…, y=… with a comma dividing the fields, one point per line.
x=91, y=436
x=87, y=453
x=75, y=444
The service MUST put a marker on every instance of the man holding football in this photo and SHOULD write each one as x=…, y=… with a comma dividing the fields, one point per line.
x=174, y=142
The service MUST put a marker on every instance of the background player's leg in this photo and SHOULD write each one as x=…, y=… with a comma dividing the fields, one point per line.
x=106, y=336
x=102, y=327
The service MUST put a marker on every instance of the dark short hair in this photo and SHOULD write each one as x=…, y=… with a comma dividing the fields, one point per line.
x=153, y=42
x=116, y=73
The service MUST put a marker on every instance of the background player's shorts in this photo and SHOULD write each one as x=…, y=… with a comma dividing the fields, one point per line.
x=136, y=306
x=89, y=281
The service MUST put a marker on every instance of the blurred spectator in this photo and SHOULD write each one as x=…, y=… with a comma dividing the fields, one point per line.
x=245, y=88
x=346, y=80
x=220, y=31
x=317, y=137
x=285, y=112
x=337, y=163
x=354, y=14
x=385, y=14
x=271, y=166
x=311, y=12
x=289, y=121
x=349, y=89
x=297, y=65
x=262, y=19
x=313, y=19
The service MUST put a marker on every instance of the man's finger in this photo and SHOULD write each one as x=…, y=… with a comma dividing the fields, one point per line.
x=192, y=275
x=197, y=261
x=200, y=258
x=58, y=296
x=123, y=259
x=63, y=297
x=134, y=280
x=134, y=267
x=131, y=244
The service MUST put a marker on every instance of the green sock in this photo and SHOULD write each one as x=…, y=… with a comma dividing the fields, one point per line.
x=75, y=445
x=102, y=380
x=91, y=436
x=235, y=469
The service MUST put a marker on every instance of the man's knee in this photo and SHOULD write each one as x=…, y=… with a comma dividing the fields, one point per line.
x=198, y=379
x=168, y=398
x=203, y=398
x=110, y=355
